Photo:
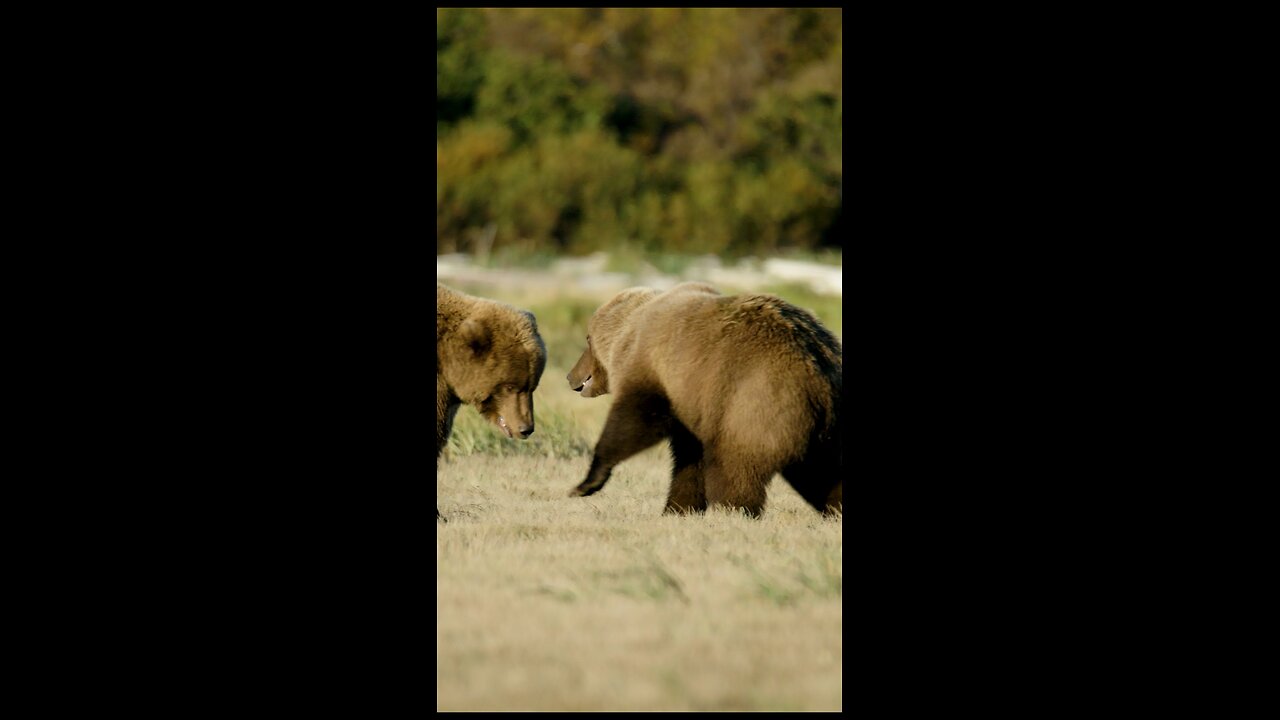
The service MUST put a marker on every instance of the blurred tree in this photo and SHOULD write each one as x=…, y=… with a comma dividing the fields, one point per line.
x=535, y=97
x=698, y=129
x=460, y=45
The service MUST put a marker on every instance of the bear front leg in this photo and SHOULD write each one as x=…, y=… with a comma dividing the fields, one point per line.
x=636, y=422
x=819, y=481
x=597, y=475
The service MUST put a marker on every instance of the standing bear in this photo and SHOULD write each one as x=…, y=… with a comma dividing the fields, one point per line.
x=488, y=355
x=742, y=386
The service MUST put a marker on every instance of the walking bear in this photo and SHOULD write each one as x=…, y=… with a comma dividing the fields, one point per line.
x=742, y=386
x=488, y=355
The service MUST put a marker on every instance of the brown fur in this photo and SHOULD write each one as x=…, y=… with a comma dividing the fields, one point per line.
x=488, y=355
x=743, y=387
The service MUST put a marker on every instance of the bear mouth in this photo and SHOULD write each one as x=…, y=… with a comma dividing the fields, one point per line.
x=502, y=423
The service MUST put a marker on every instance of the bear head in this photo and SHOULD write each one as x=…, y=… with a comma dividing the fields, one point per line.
x=493, y=361
x=590, y=375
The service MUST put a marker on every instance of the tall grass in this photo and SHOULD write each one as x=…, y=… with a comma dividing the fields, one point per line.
x=556, y=434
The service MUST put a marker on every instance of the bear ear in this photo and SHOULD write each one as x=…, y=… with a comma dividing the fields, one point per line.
x=475, y=336
x=533, y=321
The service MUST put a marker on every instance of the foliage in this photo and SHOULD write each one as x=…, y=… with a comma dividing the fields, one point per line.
x=706, y=130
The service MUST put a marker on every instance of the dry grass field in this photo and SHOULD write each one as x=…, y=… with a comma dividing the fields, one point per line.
x=547, y=602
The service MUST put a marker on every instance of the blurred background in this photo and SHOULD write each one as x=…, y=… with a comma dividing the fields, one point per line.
x=642, y=132
x=581, y=151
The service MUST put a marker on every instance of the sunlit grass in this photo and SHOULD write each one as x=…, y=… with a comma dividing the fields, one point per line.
x=550, y=602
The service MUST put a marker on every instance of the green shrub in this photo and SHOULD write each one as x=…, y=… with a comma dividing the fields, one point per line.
x=708, y=130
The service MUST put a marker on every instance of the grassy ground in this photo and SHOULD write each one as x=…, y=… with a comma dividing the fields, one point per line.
x=546, y=602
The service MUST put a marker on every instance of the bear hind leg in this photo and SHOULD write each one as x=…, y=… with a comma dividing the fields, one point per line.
x=738, y=488
x=835, y=501
x=687, y=494
x=819, y=483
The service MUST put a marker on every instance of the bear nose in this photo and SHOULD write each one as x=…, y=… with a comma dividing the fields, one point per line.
x=526, y=431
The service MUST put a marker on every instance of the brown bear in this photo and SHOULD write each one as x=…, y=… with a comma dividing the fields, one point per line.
x=488, y=355
x=742, y=386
